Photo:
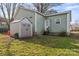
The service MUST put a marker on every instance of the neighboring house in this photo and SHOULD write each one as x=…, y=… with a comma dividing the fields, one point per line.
x=74, y=27
x=2, y=23
x=55, y=23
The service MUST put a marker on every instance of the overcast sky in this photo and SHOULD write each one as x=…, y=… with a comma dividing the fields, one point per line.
x=74, y=7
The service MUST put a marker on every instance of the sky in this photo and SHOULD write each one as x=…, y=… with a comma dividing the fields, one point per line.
x=74, y=7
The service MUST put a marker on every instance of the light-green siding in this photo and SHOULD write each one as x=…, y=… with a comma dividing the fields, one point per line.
x=62, y=27
x=38, y=21
x=21, y=13
x=40, y=24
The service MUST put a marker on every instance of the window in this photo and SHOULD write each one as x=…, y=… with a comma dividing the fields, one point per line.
x=26, y=24
x=58, y=21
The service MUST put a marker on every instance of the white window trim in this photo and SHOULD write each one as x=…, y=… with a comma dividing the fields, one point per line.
x=45, y=25
x=31, y=30
x=59, y=20
x=48, y=22
x=35, y=22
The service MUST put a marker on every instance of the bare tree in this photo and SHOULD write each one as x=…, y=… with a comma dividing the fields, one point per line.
x=52, y=11
x=2, y=8
x=10, y=9
x=13, y=10
x=27, y=6
x=4, y=15
x=43, y=7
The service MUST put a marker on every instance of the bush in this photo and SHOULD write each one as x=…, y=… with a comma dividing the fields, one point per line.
x=46, y=32
x=16, y=35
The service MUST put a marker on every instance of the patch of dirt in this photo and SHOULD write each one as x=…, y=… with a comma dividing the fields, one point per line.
x=7, y=33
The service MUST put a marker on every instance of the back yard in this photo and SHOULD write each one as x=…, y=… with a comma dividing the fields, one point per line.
x=39, y=46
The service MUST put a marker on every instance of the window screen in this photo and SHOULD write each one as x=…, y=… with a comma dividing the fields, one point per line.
x=57, y=21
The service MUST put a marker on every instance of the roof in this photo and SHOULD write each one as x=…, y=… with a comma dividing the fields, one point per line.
x=65, y=12
x=59, y=13
x=16, y=21
x=20, y=7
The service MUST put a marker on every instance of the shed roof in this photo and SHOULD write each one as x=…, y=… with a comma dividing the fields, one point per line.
x=16, y=21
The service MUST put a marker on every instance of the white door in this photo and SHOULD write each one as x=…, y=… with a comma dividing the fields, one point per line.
x=26, y=30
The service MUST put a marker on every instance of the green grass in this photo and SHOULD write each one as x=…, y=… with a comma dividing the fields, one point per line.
x=39, y=46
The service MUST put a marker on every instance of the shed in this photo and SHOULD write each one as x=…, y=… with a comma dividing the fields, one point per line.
x=21, y=28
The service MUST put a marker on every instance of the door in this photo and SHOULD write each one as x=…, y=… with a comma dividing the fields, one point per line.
x=26, y=30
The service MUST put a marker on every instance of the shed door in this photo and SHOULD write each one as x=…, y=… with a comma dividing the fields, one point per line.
x=26, y=30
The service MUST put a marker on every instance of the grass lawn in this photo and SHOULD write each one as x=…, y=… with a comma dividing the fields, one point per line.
x=39, y=46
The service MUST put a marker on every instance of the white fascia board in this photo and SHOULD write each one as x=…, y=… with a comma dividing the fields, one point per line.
x=68, y=23
x=59, y=13
x=31, y=30
x=35, y=22
x=20, y=30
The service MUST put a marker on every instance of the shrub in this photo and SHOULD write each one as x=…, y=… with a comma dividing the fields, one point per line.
x=46, y=32
x=16, y=35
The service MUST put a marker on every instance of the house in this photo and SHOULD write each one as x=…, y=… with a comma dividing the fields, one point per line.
x=3, y=25
x=55, y=23
x=74, y=27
